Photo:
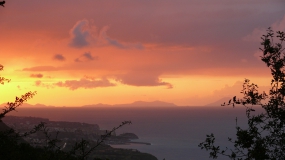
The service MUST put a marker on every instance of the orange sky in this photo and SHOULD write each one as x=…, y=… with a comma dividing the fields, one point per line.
x=188, y=52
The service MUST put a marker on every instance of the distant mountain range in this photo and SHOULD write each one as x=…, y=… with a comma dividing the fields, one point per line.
x=27, y=105
x=134, y=104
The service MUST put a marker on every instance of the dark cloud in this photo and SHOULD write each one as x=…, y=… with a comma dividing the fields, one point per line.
x=219, y=30
x=36, y=75
x=167, y=22
x=84, y=83
x=86, y=57
x=41, y=68
x=80, y=35
x=143, y=79
x=59, y=57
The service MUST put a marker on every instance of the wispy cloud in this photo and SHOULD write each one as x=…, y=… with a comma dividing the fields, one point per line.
x=36, y=75
x=39, y=83
x=87, y=56
x=41, y=68
x=104, y=39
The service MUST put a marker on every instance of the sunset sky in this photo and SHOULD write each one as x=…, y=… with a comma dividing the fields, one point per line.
x=187, y=52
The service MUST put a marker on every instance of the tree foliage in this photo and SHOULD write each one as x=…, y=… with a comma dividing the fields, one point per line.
x=264, y=136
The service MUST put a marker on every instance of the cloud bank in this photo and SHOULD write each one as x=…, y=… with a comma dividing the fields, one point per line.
x=84, y=83
x=142, y=79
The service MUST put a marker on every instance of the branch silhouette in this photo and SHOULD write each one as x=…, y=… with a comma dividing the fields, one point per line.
x=2, y=3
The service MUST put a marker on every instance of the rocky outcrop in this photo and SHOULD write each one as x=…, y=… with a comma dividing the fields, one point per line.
x=130, y=136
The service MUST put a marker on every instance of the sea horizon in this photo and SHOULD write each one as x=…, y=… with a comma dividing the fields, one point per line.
x=174, y=133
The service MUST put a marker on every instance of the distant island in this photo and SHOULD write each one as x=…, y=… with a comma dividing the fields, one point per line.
x=225, y=101
x=219, y=102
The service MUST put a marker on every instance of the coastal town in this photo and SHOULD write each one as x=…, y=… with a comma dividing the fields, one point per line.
x=67, y=134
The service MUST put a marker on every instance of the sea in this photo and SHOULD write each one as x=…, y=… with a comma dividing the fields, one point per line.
x=174, y=132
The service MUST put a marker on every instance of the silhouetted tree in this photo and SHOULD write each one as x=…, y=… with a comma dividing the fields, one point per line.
x=264, y=137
